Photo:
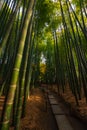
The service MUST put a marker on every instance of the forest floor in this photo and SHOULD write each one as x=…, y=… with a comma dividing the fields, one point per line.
x=68, y=98
x=79, y=110
x=39, y=116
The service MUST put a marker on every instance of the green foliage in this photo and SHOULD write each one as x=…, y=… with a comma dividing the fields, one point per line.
x=57, y=45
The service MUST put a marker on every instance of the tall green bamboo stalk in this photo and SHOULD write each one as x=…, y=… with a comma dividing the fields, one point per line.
x=5, y=118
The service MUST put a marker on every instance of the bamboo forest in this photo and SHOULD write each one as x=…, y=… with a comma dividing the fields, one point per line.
x=43, y=64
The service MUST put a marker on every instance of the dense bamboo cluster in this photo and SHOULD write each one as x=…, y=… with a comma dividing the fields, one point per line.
x=72, y=62
x=33, y=33
x=16, y=47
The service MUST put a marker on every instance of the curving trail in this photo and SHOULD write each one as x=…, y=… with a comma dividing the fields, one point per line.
x=46, y=111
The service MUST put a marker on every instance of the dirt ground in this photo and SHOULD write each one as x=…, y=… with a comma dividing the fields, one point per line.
x=69, y=99
x=38, y=116
x=81, y=110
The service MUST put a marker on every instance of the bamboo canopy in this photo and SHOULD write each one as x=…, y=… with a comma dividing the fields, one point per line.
x=41, y=42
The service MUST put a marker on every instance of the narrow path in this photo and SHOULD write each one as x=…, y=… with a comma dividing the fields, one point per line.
x=39, y=115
